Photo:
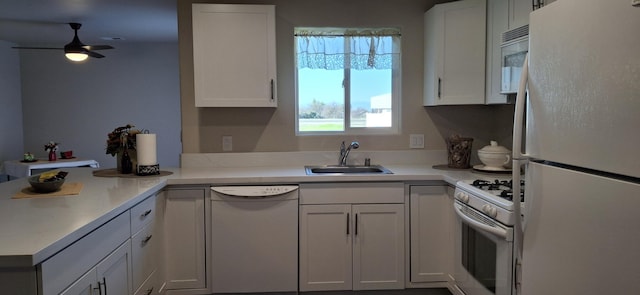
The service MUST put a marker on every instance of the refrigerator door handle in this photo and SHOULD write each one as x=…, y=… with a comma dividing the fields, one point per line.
x=518, y=227
x=518, y=118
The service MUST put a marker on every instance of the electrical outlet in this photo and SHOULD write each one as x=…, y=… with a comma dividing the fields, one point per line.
x=416, y=141
x=227, y=143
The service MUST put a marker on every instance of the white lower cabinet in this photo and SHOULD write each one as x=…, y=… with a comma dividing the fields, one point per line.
x=351, y=246
x=184, y=241
x=378, y=246
x=325, y=247
x=146, y=240
x=432, y=220
x=112, y=275
x=109, y=260
x=144, y=254
x=150, y=286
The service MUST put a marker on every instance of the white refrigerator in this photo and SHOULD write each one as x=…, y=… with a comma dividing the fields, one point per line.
x=581, y=151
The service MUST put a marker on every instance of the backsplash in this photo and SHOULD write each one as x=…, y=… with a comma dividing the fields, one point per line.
x=279, y=159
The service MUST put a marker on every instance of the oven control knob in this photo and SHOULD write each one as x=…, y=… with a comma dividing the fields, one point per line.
x=463, y=197
x=490, y=210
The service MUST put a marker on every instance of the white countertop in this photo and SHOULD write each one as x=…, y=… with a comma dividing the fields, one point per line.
x=31, y=230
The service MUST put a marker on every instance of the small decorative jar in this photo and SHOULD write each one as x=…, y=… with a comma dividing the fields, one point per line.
x=52, y=155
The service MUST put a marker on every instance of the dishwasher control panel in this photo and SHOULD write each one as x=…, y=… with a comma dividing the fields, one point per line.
x=254, y=191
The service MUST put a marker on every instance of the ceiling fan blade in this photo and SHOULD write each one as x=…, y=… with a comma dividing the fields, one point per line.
x=94, y=54
x=75, y=46
x=97, y=47
x=28, y=47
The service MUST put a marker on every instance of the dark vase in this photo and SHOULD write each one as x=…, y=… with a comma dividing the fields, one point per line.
x=52, y=155
x=126, y=165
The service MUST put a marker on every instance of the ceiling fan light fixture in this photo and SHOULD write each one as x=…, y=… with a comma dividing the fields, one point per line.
x=76, y=56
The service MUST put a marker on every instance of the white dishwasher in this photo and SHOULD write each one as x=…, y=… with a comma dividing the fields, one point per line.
x=254, y=238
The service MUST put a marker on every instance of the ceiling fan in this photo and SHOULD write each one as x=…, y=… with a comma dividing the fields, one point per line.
x=76, y=50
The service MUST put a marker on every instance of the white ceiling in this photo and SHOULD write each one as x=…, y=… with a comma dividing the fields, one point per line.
x=44, y=22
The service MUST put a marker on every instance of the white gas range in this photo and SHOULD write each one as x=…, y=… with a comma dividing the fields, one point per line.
x=493, y=197
x=485, y=259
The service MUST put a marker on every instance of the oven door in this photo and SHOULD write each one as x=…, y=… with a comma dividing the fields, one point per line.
x=484, y=254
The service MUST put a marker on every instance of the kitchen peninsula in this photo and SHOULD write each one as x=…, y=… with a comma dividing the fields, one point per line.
x=35, y=231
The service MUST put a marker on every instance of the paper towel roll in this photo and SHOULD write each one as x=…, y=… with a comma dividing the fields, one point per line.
x=146, y=149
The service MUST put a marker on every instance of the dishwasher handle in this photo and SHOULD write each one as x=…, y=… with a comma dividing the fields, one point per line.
x=263, y=191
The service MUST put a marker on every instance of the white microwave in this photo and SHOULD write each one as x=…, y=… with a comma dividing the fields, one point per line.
x=515, y=45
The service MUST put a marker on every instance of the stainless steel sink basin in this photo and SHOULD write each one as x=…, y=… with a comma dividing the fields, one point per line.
x=340, y=170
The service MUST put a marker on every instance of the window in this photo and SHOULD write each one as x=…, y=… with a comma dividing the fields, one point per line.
x=347, y=81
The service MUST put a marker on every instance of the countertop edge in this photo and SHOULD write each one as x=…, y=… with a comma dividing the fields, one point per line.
x=245, y=175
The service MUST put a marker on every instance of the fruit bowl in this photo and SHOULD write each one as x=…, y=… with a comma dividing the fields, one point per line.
x=46, y=186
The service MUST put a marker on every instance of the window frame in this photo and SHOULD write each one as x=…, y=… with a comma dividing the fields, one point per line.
x=396, y=94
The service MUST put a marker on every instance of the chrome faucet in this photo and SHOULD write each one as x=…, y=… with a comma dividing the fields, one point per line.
x=344, y=152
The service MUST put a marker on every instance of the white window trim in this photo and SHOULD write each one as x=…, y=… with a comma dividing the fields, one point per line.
x=396, y=113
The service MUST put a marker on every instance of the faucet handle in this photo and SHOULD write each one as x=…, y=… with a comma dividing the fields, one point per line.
x=342, y=148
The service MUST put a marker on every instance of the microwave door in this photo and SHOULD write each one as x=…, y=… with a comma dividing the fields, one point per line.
x=513, y=54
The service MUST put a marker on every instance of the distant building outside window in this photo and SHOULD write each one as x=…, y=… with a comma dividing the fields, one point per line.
x=347, y=81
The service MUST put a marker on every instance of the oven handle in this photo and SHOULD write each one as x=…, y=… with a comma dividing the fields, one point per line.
x=500, y=232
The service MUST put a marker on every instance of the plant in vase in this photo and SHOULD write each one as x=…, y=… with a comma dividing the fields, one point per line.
x=121, y=142
x=51, y=148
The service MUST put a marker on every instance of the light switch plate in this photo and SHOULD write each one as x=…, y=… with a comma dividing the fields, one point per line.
x=416, y=141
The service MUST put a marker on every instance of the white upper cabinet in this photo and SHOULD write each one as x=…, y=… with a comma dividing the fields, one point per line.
x=519, y=13
x=234, y=55
x=497, y=23
x=455, y=36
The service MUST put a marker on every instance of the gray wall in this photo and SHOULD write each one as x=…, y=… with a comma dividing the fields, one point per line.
x=78, y=104
x=11, y=146
x=266, y=129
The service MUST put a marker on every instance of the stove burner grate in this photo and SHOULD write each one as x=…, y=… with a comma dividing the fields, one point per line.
x=501, y=188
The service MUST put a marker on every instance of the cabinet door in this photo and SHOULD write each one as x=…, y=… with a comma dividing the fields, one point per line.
x=114, y=272
x=184, y=247
x=455, y=36
x=84, y=285
x=431, y=234
x=325, y=247
x=378, y=246
x=497, y=23
x=234, y=55
x=519, y=11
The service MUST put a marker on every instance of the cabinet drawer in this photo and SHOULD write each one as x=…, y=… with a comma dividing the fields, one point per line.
x=352, y=193
x=150, y=286
x=143, y=213
x=143, y=245
x=67, y=266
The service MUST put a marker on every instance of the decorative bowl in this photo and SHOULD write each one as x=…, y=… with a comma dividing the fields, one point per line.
x=46, y=186
x=494, y=156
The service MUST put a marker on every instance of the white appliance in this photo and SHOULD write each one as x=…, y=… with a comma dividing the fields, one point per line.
x=515, y=44
x=254, y=239
x=484, y=249
x=581, y=231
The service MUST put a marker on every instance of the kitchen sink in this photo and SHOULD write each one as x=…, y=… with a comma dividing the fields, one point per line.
x=340, y=170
